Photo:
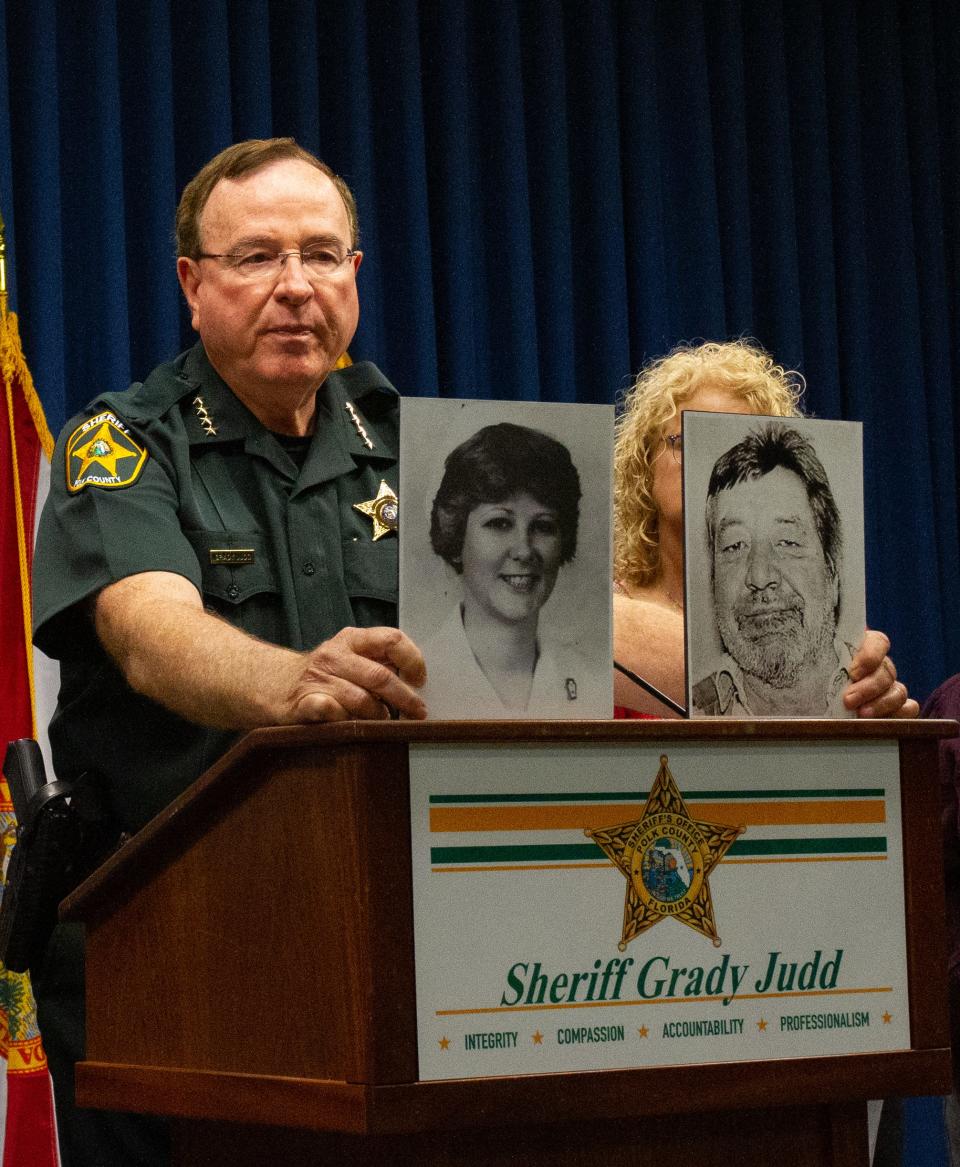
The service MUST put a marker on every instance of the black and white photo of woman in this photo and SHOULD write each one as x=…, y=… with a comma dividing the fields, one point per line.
x=505, y=521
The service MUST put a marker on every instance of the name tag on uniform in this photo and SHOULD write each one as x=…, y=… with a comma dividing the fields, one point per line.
x=231, y=555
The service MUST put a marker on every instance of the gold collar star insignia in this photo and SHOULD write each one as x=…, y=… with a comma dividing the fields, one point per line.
x=203, y=416
x=666, y=858
x=358, y=425
x=383, y=511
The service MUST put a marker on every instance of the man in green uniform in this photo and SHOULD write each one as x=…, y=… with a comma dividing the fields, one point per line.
x=218, y=551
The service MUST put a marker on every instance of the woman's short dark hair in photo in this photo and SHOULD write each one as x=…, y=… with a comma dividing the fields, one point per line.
x=491, y=466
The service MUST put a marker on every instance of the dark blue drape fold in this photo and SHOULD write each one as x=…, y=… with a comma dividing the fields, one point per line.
x=550, y=193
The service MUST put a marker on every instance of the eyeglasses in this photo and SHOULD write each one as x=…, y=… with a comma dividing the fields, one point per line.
x=320, y=261
x=675, y=442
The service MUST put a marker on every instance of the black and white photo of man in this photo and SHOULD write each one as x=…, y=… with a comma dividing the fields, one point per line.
x=775, y=547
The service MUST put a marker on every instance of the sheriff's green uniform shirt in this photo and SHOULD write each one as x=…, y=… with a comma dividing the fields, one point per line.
x=176, y=475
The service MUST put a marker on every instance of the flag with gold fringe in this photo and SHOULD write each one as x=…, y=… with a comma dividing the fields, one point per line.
x=28, y=1132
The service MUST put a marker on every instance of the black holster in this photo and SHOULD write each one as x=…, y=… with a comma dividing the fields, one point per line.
x=64, y=831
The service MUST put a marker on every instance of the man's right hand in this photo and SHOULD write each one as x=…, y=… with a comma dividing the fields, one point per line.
x=190, y=661
x=361, y=672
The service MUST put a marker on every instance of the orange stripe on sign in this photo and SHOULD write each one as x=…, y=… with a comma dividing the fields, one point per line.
x=764, y=814
x=577, y=817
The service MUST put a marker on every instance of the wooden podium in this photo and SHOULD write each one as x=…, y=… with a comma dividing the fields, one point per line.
x=250, y=973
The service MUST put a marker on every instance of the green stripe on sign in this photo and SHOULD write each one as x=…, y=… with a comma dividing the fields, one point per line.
x=851, y=846
x=590, y=852
x=639, y=796
x=533, y=853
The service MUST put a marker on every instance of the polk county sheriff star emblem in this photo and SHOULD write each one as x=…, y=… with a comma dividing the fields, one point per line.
x=666, y=857
x=100, y=452
x=383, y=511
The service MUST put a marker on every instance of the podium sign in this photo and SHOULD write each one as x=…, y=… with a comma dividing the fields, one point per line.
x=578, y=906
x=491, y=984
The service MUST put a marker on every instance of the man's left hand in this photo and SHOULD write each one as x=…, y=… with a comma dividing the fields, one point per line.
x=874, y=690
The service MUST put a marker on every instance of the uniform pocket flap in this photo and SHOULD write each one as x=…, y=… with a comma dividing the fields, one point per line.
x=370, y=569
x=234, y=565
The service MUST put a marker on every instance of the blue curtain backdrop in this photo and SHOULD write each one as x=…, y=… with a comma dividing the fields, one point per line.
x=550, y=194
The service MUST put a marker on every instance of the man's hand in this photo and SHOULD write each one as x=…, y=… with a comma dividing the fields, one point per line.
x=211, y=673
x=874, y=690
x=360, y=672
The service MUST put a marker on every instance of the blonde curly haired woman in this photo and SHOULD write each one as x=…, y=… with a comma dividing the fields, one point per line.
x=732, y=377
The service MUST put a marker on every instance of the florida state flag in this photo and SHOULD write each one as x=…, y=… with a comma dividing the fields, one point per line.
x=28, y=1132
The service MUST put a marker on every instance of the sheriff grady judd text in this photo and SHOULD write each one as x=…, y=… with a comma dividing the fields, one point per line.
x=615, y=979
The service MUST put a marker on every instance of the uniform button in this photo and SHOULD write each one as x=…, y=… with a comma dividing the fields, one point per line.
x=308, y=568
x=233, y=591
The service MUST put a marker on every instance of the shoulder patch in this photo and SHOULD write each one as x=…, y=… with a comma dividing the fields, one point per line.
x=101, y=452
